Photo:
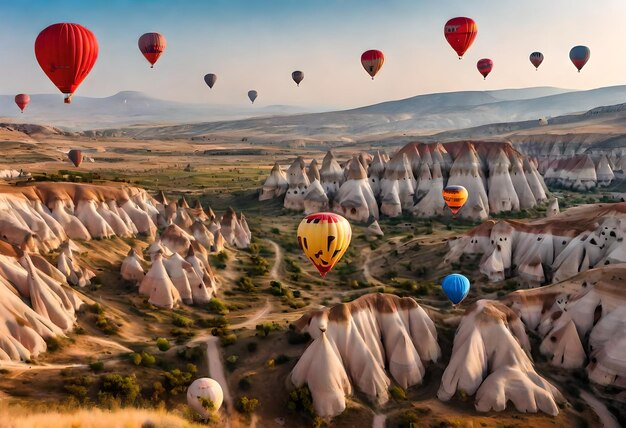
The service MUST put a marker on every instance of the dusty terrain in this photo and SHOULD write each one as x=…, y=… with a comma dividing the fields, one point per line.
x=228, y=172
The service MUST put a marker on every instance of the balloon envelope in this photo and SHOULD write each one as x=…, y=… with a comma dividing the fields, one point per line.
x=324, y=238
x=252, y=95
x=536, y=58
x=66, y=53
x=297, y=76
x=579, y=55
x=455, y=197
x=460, y=33
x=456, y=287
x=202, y=389
x=76, y=156
x=372, y=61
x=210, y=79
x=484, y=66
x=152, y=45
x=22, y=101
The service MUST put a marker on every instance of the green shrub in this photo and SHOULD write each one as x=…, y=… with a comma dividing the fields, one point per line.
x=122, y=388
x=245, y=283
x=79, y=388
x=181, y=321
x=231, y=362
x=53, y=344
x=228, y=339
x=282, y=359
x=264, y=329
x=295, y=338
x=397, y=392
x=245, y=383
x=217, y=306
x=97, y=366
x=219, y=321
x=163, y=344
x=300, y=401
x=178, y=380
x=246, y=405
x=407, y=419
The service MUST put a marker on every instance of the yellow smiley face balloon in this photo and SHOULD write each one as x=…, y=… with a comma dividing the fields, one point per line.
x=324, y=238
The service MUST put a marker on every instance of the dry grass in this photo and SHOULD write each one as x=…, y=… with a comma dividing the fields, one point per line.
x=22, y=417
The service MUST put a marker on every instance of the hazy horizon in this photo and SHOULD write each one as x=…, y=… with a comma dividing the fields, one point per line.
x=256, y=45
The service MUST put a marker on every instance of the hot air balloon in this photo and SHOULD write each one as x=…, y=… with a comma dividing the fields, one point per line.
x=22, y=101
x=76, y=156
x=484, y=67
x=297, y=76
x=66, y=53
x=210, y=79
x=252, y=95
x=324, y=238
x=456, y=287
x=455, y=197
x=536, y=58
x=579, y=55
x=460, y=33
x=152, y=46
x=372, y=61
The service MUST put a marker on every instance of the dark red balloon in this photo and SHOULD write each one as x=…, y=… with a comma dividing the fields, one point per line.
x=484, y=66
x=66, y=53
x=152, y=45
x=76, y=156
x=460, y=33
x=22, y=101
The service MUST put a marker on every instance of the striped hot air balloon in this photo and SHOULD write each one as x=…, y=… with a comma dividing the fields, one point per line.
x=152, y=46
x=455, y=197
x=460, y=33
x=372, y=61
x=76, y=156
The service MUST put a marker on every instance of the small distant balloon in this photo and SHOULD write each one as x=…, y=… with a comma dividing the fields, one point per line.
x=484, y=67
x=456, y=287
x=252, y=95
x=210, y=79
x=455, y=197
x=579, y=55
x=152, y=45
x=297, y=76
x=460, y=33
x=324, y=238
x=536, y=58
x=372, y=61
x=76, y=156
x=22, y=101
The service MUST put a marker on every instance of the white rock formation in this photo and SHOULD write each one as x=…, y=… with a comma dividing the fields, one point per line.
x=354, y=342
x=355, y=199
x=490, y=359
x=275, y=185
x=131, y=269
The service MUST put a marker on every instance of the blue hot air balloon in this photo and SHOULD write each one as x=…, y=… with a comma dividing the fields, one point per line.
x=456, y=287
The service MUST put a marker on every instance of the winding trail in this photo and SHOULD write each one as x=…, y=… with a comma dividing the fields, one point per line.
x=278, y=259
x=216, y=371
x=606, y=417
x=18, y=368
x=252, y=321
x=379, y=421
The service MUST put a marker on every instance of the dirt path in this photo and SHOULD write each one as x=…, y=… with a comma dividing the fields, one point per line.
x=110, y=343
x=16, y=368
x=606, y=417
x=216, y=370
x=366, y=270
x=379, y=421
x=278, y=259
x=252, y=321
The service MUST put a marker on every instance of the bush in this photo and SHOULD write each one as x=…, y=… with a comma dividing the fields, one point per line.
x=282, y=359
x=144, y=359
x=246, y=405
x=217, y=306
x=252, y=347
x=260, y=266
x=245, y=283
x=228, y=339
x=245, y=383
x=97, y=366
x=163, y=344
x=53, y=344
x=264, y=329
x=181, y=321
x=300, y=401
x=122, y=388
x=231, y=362
x=397, y=392
x=106, y=325
x=407, y=419
x=178, y=380
x=295, y=338
x=219, y=322
x=79, y=387
x=292, y=266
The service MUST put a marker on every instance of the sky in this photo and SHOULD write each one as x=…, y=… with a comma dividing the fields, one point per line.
x=256, y=44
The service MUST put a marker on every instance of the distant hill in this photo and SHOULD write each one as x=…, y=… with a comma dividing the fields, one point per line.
x=416, y=116
x=127, y=108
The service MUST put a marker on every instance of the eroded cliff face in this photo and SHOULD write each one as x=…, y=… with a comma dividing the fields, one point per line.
x=547, y=250
x=497, y=177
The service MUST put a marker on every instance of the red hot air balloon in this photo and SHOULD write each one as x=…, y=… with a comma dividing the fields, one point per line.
x=66, y=53
x=536, y=58
x=579, y=55
x=460, y=33
x=76, y=156
x=484, y=66
x=22, y=101
x=152, y=46
x=372, y=61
